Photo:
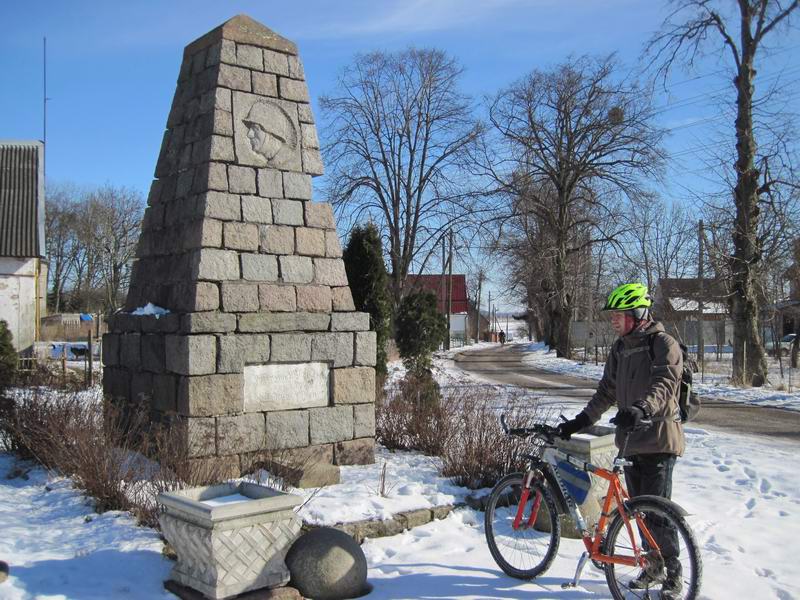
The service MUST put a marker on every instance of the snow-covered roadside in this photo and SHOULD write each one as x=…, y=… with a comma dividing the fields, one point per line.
x=540, y=355
x=742, y=491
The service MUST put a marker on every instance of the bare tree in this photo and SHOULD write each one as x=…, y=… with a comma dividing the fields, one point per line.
x=688, y=31
x=529, y=249
x=91, y=241
x=397, y=143
x=574, y=142
x=660, y=240
x=119, y=214
x=60, y=240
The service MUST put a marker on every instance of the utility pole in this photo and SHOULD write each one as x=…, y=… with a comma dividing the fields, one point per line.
x=443, y=289
x=478, y=316
x=701, y=355
x=489, y=315
x=449, y=288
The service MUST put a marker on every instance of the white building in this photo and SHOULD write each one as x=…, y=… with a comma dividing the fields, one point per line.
x=23, y=269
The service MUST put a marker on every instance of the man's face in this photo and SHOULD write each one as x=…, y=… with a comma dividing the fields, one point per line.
x=621, y=323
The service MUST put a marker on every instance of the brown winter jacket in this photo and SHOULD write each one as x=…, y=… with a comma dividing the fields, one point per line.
x=630, y=377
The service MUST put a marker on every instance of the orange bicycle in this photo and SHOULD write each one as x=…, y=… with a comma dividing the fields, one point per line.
x=643, y=545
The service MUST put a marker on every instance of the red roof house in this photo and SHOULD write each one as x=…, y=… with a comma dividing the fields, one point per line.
x=439, y=284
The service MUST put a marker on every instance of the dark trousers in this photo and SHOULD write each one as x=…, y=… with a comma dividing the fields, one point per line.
x=651, y=474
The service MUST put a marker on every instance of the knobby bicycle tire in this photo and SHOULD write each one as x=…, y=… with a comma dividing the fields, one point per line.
x=531, y=545
x=617, y=541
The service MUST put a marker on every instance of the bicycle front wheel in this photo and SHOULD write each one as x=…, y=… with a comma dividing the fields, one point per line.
x=675, y=569
x=522, y=530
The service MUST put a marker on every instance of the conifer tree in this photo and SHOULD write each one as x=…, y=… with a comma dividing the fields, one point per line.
x=8, y=358
x=369, y=283
x=420, y=331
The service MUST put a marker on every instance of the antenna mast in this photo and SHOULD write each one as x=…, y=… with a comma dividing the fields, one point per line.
x=44, y=106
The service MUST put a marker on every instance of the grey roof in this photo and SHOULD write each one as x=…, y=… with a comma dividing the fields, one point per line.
x=21, y=199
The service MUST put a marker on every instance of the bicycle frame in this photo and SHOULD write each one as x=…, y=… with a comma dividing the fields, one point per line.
x=616, y=496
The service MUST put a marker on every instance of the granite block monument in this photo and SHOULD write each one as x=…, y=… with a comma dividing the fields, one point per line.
x=262, y=349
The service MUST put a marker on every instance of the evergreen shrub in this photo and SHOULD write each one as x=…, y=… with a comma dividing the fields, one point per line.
x=369, y=283
x=8, y=358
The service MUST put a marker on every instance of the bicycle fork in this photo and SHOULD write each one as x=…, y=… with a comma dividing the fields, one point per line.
x=523, y=500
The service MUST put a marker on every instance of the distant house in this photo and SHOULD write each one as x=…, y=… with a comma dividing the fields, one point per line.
x=23, y=269
x=676, y=303
x=458, y=301
x=679, y=299
x=789, y=309
x=438, y=284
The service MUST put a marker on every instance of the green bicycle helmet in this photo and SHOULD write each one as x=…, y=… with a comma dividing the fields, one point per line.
x=628, y=296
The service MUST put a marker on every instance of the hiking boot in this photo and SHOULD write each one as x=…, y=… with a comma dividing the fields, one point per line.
x=673, y=584
x=647, y=578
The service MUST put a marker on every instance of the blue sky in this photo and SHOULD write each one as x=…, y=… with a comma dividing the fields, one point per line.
x=112, y=66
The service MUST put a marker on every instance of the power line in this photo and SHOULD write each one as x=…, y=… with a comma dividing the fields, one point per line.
x=727, y=70
x=700, y=97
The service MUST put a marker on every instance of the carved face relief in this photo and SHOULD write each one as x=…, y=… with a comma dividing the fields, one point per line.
x=266, y=132
x=269, y=130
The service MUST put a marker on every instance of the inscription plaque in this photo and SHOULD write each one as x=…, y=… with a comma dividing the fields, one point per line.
x=286, y=386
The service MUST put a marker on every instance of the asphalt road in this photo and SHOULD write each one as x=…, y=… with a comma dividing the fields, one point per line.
x=504, y=364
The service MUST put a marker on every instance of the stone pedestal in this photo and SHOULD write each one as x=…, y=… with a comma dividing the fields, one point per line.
x=230, y=538
x=595, y=445
x=262, y=350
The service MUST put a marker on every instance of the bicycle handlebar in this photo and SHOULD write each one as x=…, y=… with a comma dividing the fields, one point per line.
x=549, y=433
x=537, y=429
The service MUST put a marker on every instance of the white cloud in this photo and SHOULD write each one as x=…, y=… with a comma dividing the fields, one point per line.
x=415, y=16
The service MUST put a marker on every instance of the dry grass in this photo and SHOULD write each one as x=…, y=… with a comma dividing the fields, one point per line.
x=462, y=429
x=477, y=452
x=105, y=451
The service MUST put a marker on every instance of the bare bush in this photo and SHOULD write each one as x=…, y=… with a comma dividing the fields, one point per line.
x=109, y=453
x=477, y=452
x=411, y=418
x=463, y=429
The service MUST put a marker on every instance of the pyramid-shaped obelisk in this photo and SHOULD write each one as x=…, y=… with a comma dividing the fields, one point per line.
x=262, y=349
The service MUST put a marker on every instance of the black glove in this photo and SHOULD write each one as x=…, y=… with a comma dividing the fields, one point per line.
x=630, y=418
x=567, y=428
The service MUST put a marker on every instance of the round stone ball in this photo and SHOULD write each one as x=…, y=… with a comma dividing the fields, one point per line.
x=327, y=564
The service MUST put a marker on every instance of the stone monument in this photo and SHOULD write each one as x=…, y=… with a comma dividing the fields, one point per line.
x=262, y=349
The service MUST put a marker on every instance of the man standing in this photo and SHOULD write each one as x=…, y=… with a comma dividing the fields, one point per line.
x=642, y=377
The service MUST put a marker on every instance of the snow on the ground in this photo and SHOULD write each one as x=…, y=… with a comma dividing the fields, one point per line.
x=742, y=492
x=743, y=496
x=58, y=547
x=714, y=386
x=411, y=482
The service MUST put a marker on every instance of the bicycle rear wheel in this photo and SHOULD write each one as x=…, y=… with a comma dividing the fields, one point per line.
x=677, y=567
x=524, y=551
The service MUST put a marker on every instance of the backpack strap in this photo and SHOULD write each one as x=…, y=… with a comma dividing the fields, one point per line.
x=651, y=341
